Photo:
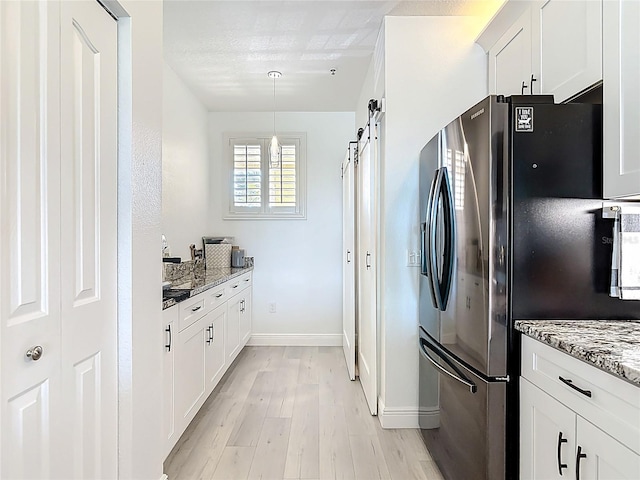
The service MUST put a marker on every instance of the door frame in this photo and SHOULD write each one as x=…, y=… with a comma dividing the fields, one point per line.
x=124, y=236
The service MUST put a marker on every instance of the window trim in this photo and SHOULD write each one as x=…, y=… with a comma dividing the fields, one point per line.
x=263, y=212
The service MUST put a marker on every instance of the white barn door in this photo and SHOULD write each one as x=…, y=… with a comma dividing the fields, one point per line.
x=349, y=260
x=58, y=344
x=367, y=261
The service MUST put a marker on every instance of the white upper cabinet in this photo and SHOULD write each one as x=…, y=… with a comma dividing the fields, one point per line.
x=566, y=46
x=552, y=47
x=621, y=98
x=510, y=59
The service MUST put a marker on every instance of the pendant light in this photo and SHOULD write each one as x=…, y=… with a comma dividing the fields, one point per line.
x=275, y=151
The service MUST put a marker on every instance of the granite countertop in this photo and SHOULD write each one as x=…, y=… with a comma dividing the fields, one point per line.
x=200, y=283
x=611, y=345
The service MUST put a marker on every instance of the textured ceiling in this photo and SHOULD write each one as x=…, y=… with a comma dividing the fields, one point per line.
x=224, y=49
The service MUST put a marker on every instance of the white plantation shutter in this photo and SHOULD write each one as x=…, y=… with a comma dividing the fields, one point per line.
x=260, y=190
x=247, y=175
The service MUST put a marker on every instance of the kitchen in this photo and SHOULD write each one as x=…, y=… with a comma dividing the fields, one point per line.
x=191, y=134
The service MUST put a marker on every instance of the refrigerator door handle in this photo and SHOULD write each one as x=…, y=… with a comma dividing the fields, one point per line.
x=423, y=256
x=459, y=377
x=432, y=233
x=450, y=235
x=428, y=244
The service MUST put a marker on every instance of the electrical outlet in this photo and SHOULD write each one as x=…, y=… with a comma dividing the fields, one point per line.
x=413, y=258
x=272, y=307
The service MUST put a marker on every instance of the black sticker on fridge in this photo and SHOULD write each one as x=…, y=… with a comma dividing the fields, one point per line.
x=524, y=119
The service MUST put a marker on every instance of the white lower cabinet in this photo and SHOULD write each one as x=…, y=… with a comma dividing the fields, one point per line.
x=576, y=421
x=232, y=335
x=190, y=365
x=170, y=320
x=203, y=335
x=547, y=435
x=215, y=358
x=602, y=457
x=245, y=317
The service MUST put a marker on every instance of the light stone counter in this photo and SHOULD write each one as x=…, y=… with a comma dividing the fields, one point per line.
x=612, y=345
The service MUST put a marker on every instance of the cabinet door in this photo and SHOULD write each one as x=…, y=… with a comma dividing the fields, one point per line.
x=190, y=381
x=604, y=457
x=245, y=317
x=547, y=435
x=169, y=317
x=621, y=102
x=215, y=356
x=567, y=55
x=510, y=60
x=232, y=334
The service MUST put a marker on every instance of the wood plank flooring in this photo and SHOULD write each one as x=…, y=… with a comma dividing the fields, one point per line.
x=292, y=413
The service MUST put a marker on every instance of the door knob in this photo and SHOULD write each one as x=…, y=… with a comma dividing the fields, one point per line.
x=34, y=353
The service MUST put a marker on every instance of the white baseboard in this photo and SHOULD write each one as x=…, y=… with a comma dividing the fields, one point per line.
x=407, y=417
x=295, y=340
x=164, y=477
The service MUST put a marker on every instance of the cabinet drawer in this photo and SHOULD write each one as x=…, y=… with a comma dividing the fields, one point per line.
x=236, y=285
x=215, y=297
x=190, y=311
x=608, y=402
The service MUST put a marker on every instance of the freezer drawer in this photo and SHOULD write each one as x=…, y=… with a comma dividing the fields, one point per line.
x=462, y=416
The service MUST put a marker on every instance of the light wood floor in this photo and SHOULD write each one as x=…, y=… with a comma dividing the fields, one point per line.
x=292, y=413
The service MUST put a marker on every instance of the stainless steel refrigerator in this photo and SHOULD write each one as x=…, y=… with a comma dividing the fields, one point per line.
x=511, y=229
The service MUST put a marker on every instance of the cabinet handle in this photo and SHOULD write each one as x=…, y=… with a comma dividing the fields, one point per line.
x=348, y=256
x=579, y=457
x=195, y=309
x=168, y=345
x=236, y=285
x=524, y=87
x=209, y=334
x=368, y=262
x=247, y=279
x=568, y=381
x=219, y=295
x=533, y=79
x=212, y=331
x=560, y=464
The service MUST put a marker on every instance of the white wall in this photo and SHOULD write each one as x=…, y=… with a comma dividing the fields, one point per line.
x=185, y=166
x=139, y=216
x=426, y=86
x=297, y=262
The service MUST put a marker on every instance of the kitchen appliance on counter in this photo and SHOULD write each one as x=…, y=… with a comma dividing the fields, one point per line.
x=510, y=200
x=237, y=257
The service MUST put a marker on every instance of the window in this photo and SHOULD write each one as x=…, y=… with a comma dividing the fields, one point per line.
x=260, y=190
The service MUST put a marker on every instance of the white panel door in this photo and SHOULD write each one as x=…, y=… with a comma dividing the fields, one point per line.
x=567, y=55
x=367, y=314
x=349, y=261
x=88, y=62
x=29, y=241
x=510, y=60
